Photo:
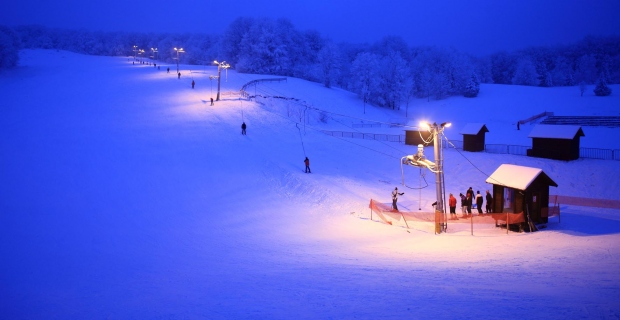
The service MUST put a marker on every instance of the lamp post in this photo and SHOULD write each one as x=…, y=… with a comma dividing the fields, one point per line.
x=178, y=51
x=220, y=66
x=154, y=51
x=135, y=50
x=141, y=51
x=436, y=130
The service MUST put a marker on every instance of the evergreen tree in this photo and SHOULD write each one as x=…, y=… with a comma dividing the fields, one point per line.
x=473, y=87
x=601, y=88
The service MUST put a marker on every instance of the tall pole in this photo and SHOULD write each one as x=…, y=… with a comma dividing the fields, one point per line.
x=220, y=66
x=219, y=76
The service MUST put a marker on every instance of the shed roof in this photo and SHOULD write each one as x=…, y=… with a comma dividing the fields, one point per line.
x=474, y=128
x=556, y=131
x=517, y=177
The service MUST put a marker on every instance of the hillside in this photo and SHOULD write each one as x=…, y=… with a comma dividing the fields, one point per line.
x=126, y=195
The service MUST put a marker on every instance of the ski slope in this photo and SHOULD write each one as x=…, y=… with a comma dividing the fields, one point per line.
x=125, y=195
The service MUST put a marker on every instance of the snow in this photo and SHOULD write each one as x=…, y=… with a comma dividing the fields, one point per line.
x=567, y=132
x=125, y=195
x=513, y=176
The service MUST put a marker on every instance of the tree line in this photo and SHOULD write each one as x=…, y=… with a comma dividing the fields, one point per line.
x=386, y=73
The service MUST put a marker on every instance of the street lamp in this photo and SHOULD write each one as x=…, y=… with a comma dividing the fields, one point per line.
x=220, y=66
x=178, y=51
x=135, y=50
x=154, y=50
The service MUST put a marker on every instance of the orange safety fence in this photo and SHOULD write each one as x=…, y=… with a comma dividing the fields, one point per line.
x=387, y=214
x=383, y=209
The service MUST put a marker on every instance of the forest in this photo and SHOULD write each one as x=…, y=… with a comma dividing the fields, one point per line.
x=387, y=73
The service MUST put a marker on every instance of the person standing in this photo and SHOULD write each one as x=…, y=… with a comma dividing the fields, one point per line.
x=168, y=70
x=489, y=201
x=463, y=204
x=193, y=83
x=179, y=75
x=479, y=201
x=307, y=162
x=395, y=195
x=468, y=202
x=211, y=101
x=243, y=126
x=452, y=204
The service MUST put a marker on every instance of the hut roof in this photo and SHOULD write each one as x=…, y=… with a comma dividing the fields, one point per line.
x=474, y=128
x=517, y=177
x=556, y=131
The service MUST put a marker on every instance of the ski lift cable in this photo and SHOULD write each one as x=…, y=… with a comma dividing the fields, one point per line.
x=470, y=162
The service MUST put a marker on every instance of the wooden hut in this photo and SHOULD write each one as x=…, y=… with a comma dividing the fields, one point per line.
x=473, y=136
x=521, y=189
x=416, y=137
x=559, y=142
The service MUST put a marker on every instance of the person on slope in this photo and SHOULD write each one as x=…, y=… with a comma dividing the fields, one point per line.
x=395, y=195
x=307, y=162
x=243, y=126
x=489, y=201
x=452, y=204
x=479, y=201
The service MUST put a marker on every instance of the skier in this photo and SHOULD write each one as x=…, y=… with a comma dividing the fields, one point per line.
x=193, y=83
x=211, y=101
x=479, y=201
x=452, y=204
x=168, y=70
x=307, y=162
x=395, y=195
x=179, y=76
x=243, y=126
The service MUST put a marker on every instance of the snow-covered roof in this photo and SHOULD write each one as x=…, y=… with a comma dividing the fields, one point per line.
x=516, y=177
x=474, y=128
x=556, y=131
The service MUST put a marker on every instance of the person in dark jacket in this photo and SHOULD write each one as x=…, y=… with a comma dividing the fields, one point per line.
x=489, y=201
x=479, y=201
x=307, y=162
x=395, y=195
x=193, y=84
x=243, y=126
x=463, y=204
x=468, y=200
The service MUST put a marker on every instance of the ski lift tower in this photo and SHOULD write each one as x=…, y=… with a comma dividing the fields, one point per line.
x=220, y=66
x=419, y=160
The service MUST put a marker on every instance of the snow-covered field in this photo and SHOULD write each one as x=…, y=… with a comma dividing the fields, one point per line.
x=125, y=195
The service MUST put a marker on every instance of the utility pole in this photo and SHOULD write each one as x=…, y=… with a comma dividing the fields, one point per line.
x=220, y=66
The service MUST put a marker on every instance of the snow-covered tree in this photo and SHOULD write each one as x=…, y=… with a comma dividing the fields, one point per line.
x=525, y=73
x=602, y=89
x=473, y=87
x=329, y=60
x=9, y=47
x=365, y=76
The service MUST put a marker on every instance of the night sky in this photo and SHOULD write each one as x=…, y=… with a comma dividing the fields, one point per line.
x=474, y=26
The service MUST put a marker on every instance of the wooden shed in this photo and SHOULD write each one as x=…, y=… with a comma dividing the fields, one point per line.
x=416, y=137
x=473, y=136
x=521, y=189
x=559, y=142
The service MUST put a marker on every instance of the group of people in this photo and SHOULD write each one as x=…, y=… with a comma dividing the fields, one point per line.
x=468, y=200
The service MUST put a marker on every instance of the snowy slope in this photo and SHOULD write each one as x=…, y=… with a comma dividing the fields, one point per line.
x=126, y=195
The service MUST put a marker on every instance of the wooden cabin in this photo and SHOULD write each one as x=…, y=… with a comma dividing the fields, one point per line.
x=559, y=142
x=521, y=189
x=416, y=137
x=473, y=136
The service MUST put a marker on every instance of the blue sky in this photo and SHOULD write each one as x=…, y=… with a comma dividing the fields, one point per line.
x=475, y=26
